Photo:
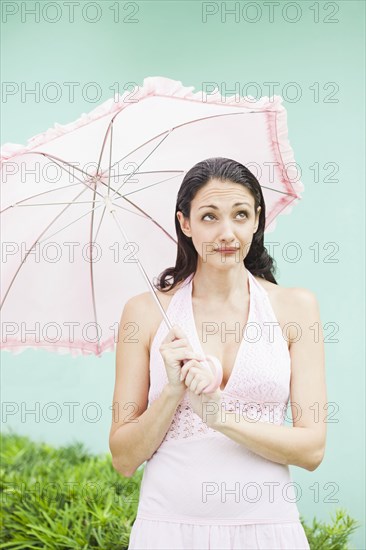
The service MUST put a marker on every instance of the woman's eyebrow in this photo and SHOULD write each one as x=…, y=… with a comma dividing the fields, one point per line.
x=216, y=208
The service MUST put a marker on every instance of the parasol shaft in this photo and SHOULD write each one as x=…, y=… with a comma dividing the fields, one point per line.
x=112, y=210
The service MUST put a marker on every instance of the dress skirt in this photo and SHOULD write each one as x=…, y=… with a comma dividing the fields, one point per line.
x=161, y=535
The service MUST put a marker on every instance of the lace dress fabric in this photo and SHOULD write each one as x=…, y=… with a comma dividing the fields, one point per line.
x=200, y=489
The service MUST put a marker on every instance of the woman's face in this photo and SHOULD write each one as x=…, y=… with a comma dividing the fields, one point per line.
x=216, y=222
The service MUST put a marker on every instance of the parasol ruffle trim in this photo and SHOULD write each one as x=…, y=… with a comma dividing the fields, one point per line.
x=152, y=86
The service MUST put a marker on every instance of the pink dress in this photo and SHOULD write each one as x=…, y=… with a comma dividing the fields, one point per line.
x=200, y=489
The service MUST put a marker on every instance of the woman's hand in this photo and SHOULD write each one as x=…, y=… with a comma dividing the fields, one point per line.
x=206, y=405
x=174, y=349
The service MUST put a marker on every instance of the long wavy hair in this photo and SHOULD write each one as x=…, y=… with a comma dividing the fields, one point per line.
x=257, y=261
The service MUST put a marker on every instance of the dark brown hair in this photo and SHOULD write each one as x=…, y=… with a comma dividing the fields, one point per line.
x=257, y=261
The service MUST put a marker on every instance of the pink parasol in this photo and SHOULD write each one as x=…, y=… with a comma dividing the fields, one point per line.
x=65, y=274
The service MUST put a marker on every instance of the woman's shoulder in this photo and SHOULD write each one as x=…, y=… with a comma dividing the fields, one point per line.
x=288, y=293
x=145, y=303
x=292, y=305
x=147, y=298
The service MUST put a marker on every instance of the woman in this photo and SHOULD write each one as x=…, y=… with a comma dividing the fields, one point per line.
x=217, y=472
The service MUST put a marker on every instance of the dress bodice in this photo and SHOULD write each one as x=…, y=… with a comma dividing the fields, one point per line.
x=259, y=383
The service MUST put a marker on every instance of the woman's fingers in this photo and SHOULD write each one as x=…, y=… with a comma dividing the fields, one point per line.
x=200, y=386
x=191, y=375
x=185, y=369
x=195, y=382
x=188, y=366
x=195, y=378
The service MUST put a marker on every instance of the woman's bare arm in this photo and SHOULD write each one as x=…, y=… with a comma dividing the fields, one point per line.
x=137, y=430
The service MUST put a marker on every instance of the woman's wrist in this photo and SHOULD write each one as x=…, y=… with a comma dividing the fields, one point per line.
x=175, y=392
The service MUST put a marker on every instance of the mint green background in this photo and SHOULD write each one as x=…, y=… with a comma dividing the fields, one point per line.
x=170, y=40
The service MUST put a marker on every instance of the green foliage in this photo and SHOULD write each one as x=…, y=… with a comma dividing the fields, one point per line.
x=63, y=498
x=332, y=536
x=68, y=498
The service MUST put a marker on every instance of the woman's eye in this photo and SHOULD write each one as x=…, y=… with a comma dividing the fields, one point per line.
x=212, y=216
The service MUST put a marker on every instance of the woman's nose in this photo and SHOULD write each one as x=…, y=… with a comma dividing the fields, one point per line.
x=226, y=234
